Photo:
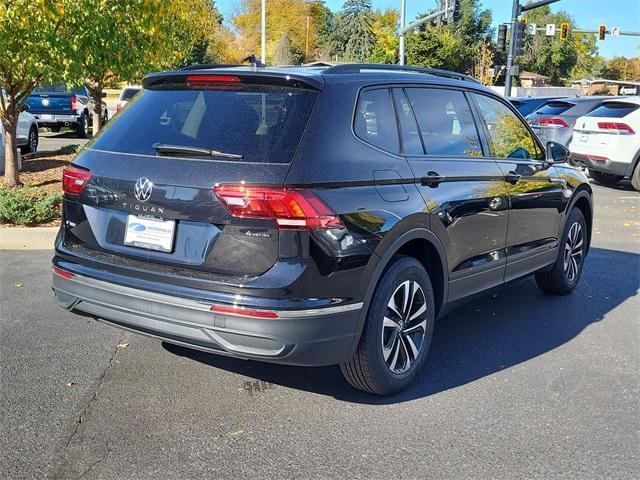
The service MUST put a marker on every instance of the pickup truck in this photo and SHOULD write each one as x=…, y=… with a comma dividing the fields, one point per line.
x=56, y=106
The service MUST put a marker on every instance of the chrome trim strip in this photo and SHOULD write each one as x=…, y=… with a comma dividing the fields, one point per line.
x=318, y=311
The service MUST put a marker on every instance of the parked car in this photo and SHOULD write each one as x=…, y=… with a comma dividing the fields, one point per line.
x=527, y=105
x=127, y=94
x=26, y=134
x=57, y=106
x=314, y=216
x=607, y=141
x=554, y=120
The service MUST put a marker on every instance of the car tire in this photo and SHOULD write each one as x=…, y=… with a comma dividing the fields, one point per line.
x=82, y=127
x=395, y=341
x=32, y=141
x=635, y=177
x=565, y=273
x=605, y=178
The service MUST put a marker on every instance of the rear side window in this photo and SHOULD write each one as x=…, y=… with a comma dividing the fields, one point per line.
x=508, y=135
x=260, y=123
x=445, y=121
x=613, y=110
x=375, y=121
x=553, y=108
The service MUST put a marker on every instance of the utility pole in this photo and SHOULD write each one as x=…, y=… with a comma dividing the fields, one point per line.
x=516, y=10
x=306, y=42
x=263, y=33
x=403, y=12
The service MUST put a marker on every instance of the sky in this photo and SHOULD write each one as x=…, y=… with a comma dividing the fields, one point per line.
x=588, y=14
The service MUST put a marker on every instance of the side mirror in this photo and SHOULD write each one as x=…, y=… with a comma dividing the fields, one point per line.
x=557, y=153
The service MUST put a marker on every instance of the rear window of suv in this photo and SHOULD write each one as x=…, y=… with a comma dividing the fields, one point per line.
x=260, y=123
x=553, y=108
x=613, y=109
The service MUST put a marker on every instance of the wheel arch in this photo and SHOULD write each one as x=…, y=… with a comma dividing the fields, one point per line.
x=583, y=200
x=424, y=246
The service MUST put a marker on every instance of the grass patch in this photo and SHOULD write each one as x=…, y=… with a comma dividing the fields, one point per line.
x=28, y=206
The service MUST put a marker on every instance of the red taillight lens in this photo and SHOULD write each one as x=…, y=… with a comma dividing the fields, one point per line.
x=74, y=104
x=553, y=122
x=244, y=312
x=213, y=81
x=620, y=127
x=74, y=180
x=291, y=209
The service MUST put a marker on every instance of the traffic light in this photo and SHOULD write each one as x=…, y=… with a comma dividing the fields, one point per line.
x=602, y=31
x=564, y=31
x=501, y=45
x=518, y=38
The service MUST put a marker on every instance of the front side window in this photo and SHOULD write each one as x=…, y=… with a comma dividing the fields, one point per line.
x=375, y=121
x=445, y=121
x=508, y=135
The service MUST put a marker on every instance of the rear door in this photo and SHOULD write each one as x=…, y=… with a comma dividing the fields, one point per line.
x=150, y=195
x=464, y=192
x=536, y=199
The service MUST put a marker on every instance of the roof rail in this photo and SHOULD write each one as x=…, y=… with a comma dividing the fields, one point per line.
x=358, y=67
x=205, y=66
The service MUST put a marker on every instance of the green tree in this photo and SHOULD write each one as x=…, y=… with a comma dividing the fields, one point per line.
x=31, y=51
x=558, y=59
x=355, y=31
x=115, y=41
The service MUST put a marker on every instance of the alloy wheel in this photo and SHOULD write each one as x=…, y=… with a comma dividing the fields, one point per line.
x=33, y=141
x=573, y=252
x=404, y=327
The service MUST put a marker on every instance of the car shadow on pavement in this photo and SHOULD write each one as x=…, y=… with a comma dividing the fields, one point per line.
x=507, y=327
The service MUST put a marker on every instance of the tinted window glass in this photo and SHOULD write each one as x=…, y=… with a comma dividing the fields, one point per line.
x=52, y=88
x=375, y=121
x=508, y=135
x=553, y=108
x=613, y=109
x=263, y=124
x=445, y=122
x=411, y=143
x=128, y=93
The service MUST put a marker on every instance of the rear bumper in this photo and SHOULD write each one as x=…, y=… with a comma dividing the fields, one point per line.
x=311, y=337
x=604, y=165
x=56, y=120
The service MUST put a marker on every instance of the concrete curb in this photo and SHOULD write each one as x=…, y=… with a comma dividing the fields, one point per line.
x=27, y=238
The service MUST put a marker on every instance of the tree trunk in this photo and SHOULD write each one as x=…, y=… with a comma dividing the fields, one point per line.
x=10, y=124
x=97, y=110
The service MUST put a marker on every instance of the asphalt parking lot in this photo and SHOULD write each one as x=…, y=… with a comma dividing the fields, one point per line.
x=51, y=141
x=517, y=385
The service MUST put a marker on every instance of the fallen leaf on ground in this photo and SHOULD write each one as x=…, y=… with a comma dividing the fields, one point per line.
x=69, y=384
x=122, y=345
x=18, y=285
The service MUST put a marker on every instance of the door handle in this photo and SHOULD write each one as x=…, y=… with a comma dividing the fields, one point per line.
x=512, y=178
x=432, y=179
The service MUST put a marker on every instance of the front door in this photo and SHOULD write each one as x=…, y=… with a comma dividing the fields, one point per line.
x=535, y=193
x=463, y=191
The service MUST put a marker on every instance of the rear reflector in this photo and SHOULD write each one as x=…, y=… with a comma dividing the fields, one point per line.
x=553, y=121
x=213, y=81
x=243, y=312
x=74, y=180
x=616, y=126
x=62, y=273
x=290, y=208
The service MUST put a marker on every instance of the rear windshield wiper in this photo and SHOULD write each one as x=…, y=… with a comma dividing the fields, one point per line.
x=164, y=149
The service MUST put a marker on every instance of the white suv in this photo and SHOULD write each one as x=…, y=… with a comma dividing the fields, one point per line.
x=607, y=141
x=27, y=135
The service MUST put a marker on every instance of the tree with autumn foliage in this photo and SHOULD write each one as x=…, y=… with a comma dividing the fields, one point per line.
x=385, y=32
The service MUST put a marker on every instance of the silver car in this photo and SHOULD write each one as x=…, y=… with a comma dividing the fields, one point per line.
x=555, y=119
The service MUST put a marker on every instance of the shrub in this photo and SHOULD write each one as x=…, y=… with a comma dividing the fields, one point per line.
x=28, y=205
x=69, y=149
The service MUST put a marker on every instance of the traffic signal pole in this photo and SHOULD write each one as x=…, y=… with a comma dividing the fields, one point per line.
x=516, y=10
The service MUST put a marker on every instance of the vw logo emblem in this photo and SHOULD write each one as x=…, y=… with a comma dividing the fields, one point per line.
x=143, y=189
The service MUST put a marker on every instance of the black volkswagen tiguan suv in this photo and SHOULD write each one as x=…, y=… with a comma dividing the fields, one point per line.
x=314, y=215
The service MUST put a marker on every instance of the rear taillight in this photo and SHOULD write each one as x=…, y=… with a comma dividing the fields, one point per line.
x=74, y=104
x=615, y=127
x=553, y=121
x=118, y=106
x=74, y=180
x=290, y=208
x=204, y=82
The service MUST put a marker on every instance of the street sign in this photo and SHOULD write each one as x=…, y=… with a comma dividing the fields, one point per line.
x=531, y=28
x=551, y=29
x=615, y=31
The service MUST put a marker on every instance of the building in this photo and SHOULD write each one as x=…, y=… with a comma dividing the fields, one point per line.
x=602, y=86
x=530, y=80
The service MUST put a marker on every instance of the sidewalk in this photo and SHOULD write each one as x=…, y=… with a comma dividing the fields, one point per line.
x=27, y=238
